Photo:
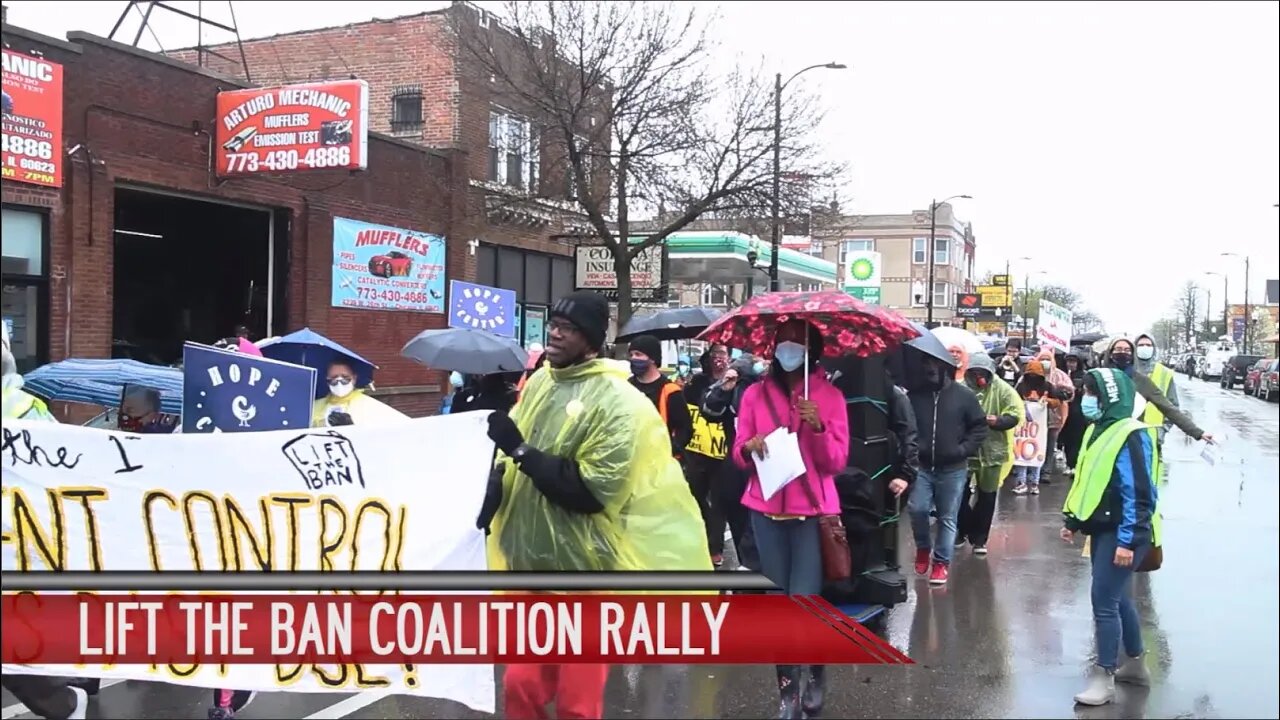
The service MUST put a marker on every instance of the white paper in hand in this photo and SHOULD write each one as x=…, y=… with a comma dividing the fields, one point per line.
x=1209, y=454
x=783, y=464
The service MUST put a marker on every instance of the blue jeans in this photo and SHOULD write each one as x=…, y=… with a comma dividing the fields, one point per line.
x=1115, y=617
x=790, y=553
x=942, y=490
x=1029, y=476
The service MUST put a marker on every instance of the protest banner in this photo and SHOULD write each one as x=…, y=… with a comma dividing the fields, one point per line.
x=387, y=497
x=224, y=391
x=1030, y=437
x=1053, y=327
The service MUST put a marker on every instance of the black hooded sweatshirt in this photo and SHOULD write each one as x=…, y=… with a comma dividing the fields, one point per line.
x=950, y=423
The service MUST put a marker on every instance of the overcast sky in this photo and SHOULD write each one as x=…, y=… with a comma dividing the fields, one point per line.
x=1123, y=146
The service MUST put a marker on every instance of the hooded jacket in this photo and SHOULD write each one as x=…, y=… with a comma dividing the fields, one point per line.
x=951, y=424
x=1054, y=387
x=1146, y=367
x=1128, y=502
x=998, y=399
x=1152, y=394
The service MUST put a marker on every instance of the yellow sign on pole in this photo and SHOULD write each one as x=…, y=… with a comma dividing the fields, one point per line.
x=1001, y=280
x=991, y=328
x=995, y=296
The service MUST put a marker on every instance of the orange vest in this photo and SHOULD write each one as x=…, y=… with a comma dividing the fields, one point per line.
x=667, y=391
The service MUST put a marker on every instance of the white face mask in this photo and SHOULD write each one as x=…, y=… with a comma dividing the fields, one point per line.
x=341, y=388
x=1145, y=352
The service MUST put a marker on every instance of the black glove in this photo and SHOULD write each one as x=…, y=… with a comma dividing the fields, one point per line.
x=504, y=433
x=338, y=417
x=492, y=498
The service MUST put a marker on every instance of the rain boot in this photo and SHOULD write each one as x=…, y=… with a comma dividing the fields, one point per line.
x=815, y=690
x=1133, y=671
x=1101, y=688
x=789, y=690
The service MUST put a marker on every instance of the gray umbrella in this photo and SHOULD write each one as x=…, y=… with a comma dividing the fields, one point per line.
x=929, y=344
x=674, y=324
x=474, y=352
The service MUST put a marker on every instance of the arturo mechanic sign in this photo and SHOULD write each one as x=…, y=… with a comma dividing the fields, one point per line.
x=294, y=128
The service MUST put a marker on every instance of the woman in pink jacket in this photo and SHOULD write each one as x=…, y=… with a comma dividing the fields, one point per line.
x=786, y=525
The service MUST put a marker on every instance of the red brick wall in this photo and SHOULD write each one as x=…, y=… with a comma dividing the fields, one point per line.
x=135, y=112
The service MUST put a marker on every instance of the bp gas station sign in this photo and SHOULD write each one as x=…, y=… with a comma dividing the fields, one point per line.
x=862, y=276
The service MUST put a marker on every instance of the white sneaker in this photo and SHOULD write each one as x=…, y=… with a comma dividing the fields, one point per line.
x=1021, y=489
x=82, y=703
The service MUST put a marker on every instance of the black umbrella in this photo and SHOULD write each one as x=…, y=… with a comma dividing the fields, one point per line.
x=930, y=345
x=675, y=324
x=1088, y=338
x=467, y=350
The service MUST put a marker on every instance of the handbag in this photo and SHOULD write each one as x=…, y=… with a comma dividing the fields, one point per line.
x=833, y=539
x=1152, y=561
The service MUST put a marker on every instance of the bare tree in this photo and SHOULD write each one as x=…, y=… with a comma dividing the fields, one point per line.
x=1185, y=309
x=625, y=90
x=1165, y=334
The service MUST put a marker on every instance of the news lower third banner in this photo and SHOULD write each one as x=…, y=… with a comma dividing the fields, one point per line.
x=300, y=634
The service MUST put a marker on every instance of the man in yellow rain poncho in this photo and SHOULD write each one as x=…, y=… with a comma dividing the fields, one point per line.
x=586, y=482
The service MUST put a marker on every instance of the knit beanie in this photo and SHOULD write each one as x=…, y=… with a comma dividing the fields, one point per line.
x=587, y=310
x=649, y=345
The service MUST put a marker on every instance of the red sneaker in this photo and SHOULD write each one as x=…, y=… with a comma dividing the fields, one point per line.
x=939, y=574
x=922, y=562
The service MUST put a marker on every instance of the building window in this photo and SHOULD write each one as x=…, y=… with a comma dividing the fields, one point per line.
x=919, y=246
x=852, y=246
x=941, y=295
x=941, y=251
x=406, y=110
x=25, y=285
x=513, y=151
x=714, y=295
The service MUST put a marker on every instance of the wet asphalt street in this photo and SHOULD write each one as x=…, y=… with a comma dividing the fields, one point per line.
x=1010, y=636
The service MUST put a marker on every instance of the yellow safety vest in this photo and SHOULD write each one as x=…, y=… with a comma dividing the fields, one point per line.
x=19, y=405
x=1162, y=376
x=1095, y=467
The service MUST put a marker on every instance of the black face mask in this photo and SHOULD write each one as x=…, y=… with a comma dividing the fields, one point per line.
x=1122, y=361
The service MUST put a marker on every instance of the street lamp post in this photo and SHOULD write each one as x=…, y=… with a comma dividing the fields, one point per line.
x=1226, y=300
x=933, y=252
x=776, y=240
x=1246, y=297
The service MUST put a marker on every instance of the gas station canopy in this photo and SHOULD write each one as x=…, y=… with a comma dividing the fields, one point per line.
x=721, y=257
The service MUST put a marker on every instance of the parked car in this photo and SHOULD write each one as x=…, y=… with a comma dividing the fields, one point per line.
x=1254, y=375
x=1269, y=382
x=1236, y=368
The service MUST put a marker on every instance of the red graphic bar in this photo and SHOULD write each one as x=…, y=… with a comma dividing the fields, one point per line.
x=427, y=629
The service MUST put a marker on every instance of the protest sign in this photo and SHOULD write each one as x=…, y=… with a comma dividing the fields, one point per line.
x=1030, y=438
x=1053, y=327
x=224, y=391
x=386, y=497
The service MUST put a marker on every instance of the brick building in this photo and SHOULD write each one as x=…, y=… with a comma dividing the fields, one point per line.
x=425, y=87
x=136, y=155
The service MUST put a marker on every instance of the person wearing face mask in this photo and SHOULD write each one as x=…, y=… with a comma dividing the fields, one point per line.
x=1060, y=392
x=1036, y=387
x=1114, y=501
x=721, y=406
x=1072, y=433
x=951, y=428
x=1003, y=409
x=646, y=353
x=346, y=404
x=1120, y=356
x=1145, y=362
x=584, y=482
x=705, y=454
x=785, y=525
x=1010, y=366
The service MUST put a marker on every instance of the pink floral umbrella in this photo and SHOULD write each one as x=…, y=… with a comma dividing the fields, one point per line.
x=848, y=325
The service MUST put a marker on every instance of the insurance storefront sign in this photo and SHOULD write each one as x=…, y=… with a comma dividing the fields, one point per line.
x=293, y=128
x=596, y=271
x=32, y=120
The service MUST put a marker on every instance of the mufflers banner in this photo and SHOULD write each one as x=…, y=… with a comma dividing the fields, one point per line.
x=294, y=128
x=377, y=267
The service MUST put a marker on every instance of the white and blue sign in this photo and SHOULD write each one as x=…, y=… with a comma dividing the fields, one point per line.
x=481, y=307
x=376, y=267
x=226, y=391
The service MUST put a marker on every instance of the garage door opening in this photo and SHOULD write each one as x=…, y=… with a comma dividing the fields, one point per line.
x=193, y=270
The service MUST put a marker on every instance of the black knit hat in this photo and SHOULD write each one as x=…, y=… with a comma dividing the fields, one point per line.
x=649, y=345
x=587, y=310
